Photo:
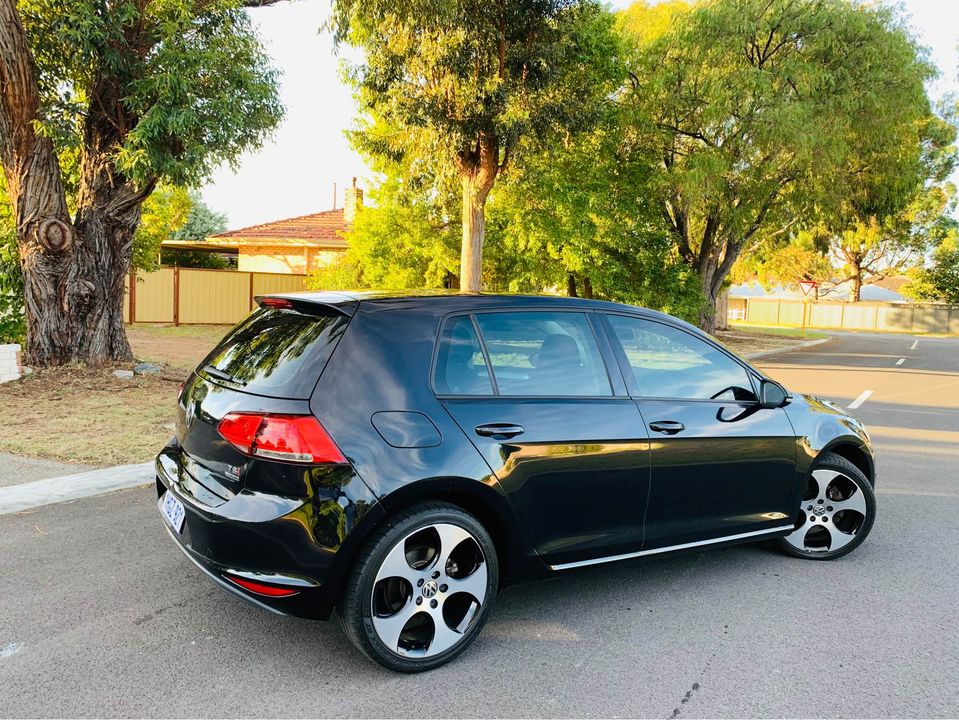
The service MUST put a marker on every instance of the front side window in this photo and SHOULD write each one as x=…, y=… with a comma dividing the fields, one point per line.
x=544, y=354
x=670, y=363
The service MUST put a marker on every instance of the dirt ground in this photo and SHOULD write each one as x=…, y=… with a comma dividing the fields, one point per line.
x=179, y=347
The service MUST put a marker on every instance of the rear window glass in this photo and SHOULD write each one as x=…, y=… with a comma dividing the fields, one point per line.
x=276, y=352
x=461, y=368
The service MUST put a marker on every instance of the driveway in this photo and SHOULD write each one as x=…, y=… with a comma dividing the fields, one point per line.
x=101, y=615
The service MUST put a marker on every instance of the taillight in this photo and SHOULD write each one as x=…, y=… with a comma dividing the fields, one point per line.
x=292, y=438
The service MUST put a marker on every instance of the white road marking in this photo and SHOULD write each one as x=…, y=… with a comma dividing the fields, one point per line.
x=10, y=649
x=915, y=343
x=860, y=400
x=900, y=361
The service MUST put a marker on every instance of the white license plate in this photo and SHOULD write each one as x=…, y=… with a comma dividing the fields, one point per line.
x=172, y=510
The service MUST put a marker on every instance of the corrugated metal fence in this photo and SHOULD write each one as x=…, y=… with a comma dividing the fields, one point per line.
x=834, y=314
x=190, y=296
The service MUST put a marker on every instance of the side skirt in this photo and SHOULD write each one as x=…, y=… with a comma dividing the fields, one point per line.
x=671, y=548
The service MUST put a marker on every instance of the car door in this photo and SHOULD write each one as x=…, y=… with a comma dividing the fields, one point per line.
x=721, y=464
x=533, y=392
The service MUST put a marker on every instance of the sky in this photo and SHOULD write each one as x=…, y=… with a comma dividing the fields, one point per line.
x=294, y=173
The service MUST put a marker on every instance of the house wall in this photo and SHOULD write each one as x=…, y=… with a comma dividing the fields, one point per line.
x=322, y=258
x=272, y=259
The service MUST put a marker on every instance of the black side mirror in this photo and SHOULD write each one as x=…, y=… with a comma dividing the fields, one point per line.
x=771, y=394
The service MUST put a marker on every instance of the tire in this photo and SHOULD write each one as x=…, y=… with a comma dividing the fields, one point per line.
x=828, y=528
x=427, y=565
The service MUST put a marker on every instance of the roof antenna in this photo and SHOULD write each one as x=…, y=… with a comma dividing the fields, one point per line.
x=334, y=196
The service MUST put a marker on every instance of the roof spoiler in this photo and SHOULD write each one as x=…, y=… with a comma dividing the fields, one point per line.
x=308, y=306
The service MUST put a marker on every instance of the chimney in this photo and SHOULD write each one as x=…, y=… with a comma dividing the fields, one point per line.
x=352, y=203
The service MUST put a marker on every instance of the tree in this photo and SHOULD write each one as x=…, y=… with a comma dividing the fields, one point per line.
x=745, y=108
x=456, y=87
x=940, y=282
x=406, y=240
x=138, y=93
x=163, y=213
x=201, y=222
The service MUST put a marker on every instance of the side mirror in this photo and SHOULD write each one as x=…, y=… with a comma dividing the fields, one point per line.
x=771, y=394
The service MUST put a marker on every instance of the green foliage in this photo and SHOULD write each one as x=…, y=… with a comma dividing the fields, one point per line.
x=163, y=213
x=404, y=241
x=193, y=80
x=749, y=110
x=940, y=282
x=201, y=221
x=436, y=75
x=13, y=327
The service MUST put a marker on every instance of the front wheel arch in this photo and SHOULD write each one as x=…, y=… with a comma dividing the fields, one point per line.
x=854, y=453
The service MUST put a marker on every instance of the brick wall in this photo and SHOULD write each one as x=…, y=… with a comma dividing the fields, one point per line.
x=9, y=362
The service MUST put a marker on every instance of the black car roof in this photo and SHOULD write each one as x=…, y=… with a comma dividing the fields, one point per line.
x=444, y=301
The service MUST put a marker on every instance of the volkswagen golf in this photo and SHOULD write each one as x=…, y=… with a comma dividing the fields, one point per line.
x=397, y=459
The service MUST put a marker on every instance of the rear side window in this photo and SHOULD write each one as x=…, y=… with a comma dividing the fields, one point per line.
x=460, y=367
x=276, y=352
x=544, y=353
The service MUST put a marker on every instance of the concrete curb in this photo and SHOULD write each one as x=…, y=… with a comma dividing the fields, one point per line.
x=780, y=351
x=25, y=496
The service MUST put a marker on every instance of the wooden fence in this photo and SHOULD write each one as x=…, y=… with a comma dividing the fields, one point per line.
x=190, y=296
x=836, y=314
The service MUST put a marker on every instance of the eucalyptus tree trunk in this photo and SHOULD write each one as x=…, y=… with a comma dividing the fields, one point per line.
x=478, y=171
x=73, y=268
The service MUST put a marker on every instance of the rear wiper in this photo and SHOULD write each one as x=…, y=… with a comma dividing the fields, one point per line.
x=220, y=375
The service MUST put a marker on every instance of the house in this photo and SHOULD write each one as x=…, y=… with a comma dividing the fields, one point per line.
x=296, y=245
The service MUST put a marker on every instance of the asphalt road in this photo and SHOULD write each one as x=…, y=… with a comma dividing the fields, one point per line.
x=101, y=615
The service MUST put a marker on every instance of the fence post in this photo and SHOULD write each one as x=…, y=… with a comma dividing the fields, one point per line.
x=252, y=304
x=176, y=295
x=132, y=309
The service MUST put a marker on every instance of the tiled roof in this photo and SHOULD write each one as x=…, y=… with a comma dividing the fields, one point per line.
x=323, y=229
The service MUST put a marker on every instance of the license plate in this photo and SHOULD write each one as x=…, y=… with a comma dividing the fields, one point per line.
x=172, y=510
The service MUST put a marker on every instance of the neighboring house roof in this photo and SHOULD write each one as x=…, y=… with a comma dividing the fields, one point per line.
x=322, y=229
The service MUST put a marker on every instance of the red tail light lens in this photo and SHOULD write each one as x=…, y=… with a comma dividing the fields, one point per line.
x=279, y=303
x=291, y=438
x=260, y=588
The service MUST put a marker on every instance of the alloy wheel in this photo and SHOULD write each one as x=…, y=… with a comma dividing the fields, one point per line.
x=832, y=512
x=429, y=590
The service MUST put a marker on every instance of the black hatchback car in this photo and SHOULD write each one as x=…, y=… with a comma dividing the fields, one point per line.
x=400, y=458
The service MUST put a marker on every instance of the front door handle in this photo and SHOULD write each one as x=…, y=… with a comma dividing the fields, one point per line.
x=499, y=430
x=667, y=427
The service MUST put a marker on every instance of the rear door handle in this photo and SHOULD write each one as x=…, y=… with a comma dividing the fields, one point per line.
x=499, y=430
x=667, y=427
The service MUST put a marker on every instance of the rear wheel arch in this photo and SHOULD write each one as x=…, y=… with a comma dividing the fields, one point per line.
x=479, y=500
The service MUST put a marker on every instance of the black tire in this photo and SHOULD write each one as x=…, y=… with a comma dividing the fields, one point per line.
x=855, y=523
x=356, y=605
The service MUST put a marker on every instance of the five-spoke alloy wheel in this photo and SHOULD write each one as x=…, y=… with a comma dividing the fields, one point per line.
x=836, y=512
x=422, y=589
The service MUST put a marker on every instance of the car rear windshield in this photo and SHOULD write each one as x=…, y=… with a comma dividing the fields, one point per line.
x=276, y=352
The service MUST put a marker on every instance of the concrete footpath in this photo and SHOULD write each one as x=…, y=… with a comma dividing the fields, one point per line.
x=27, y=495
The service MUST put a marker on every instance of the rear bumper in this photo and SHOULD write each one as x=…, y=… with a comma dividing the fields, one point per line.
x=280, y=541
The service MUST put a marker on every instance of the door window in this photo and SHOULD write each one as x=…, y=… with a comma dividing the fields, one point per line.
x=544, y=354
x=460, y=366
x=670, y=363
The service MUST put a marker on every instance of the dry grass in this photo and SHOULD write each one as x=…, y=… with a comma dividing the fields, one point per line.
x=744, y=341
x=88, y=416
x=181, y=347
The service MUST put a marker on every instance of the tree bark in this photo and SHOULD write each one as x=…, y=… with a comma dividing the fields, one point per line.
x=73, y=270
x=856, y=293
x=571, y=285
x=478, y=171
